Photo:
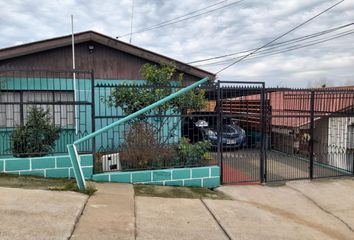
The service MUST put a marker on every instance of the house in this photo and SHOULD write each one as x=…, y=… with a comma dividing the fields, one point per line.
x=39, y=73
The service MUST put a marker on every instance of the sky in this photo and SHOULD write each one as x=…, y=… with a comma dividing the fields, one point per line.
x=236, y=27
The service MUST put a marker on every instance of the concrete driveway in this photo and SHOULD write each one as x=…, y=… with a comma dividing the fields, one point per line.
x=38, y=214
x=299, y=210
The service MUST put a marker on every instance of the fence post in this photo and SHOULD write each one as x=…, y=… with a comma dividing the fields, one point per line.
x=312, y=125
x=263, y=136
x=93, y=120
x=219, y=129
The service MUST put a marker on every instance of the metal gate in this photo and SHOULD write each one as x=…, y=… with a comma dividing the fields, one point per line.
x=284, y=134
x=243, y=107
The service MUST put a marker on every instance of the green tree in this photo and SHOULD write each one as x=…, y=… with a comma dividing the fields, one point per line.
x=161, y=81
x=36, y=137
x=145, y=141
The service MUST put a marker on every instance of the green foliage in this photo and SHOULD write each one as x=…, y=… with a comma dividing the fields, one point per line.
x=141, y=150
x=35, y=138
x=193, y=154
x=160, y=82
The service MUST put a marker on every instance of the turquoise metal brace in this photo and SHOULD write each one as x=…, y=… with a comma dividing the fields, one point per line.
x=72, y=148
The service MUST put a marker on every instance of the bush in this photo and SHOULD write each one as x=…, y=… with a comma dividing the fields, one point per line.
x=193, y=154
x=36, y=138
x=142, y=150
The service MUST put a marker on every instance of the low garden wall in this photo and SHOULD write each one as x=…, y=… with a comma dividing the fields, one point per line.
x=49, y=166
x=208, y=176
x=60, y=167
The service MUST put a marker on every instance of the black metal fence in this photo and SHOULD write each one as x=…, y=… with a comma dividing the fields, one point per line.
x=254, y=133
x=302, y=133
x=166, y=137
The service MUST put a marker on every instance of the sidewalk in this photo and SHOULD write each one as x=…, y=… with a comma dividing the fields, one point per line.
x=109, y=214
x=38, y=214
x=297, y=210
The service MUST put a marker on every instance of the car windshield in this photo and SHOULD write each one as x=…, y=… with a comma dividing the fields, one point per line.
x=228, y=129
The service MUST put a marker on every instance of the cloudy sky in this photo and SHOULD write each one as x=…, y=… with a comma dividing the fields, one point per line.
x=231, y=28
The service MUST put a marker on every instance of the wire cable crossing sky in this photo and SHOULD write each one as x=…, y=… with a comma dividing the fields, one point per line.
x=194, y=30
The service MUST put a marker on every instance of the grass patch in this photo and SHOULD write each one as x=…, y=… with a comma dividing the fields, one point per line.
x=32, y=182
x=178, y=192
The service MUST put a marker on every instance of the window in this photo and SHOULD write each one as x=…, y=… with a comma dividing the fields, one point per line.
x=9, y=110
x=13, y=110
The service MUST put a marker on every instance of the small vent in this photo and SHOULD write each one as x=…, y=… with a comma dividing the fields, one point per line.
x=110, y=162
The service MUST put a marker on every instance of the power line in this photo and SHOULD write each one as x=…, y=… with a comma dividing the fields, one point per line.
x=289, y=43
x=183, y=17
x=282, y=35
x=270, y=53
x=176, y=18
x=298, y=39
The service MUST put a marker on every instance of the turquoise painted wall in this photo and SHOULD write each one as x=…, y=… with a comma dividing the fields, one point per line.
x=50, y=167
x=208, y=177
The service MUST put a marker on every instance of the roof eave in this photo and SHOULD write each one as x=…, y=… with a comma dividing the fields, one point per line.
x=49, y=44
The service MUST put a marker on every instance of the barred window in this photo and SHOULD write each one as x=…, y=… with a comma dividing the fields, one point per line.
x=59, y=103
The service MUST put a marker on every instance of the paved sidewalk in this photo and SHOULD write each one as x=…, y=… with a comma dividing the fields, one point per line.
x=38, y=214
x=175, y=219
x=297, y=210
x=109, y=214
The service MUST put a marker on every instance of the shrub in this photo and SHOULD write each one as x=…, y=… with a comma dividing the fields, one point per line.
x=142, y=149
x=36, y=137
x=193, y=154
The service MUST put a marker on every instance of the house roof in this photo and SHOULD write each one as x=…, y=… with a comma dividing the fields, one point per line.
x=293, y=106
x=39, y=46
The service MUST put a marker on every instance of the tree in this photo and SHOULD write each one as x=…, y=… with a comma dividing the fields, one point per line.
x=145, y=141
x=160, y=83
x=36, y=137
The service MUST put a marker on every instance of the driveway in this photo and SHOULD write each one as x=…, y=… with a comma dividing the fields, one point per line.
x=322, y=209
x=244, y=165
x=38, y=214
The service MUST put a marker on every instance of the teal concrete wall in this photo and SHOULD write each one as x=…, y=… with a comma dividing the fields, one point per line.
x=49, y=166
x=208, y=177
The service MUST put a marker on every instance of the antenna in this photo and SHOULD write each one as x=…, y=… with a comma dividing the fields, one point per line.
x=131, y=23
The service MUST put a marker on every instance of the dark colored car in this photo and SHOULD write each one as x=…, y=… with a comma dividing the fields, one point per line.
x=233, y=136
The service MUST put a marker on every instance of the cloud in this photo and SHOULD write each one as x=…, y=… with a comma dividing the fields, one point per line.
x=239, y=27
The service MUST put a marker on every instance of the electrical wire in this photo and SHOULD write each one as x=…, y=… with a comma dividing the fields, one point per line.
x=277, y=38
x=298, y=39
x=279, y=49
x=276, y=52
x=183, y=17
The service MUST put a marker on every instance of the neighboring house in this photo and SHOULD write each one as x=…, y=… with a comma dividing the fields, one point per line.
x=112, y=62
